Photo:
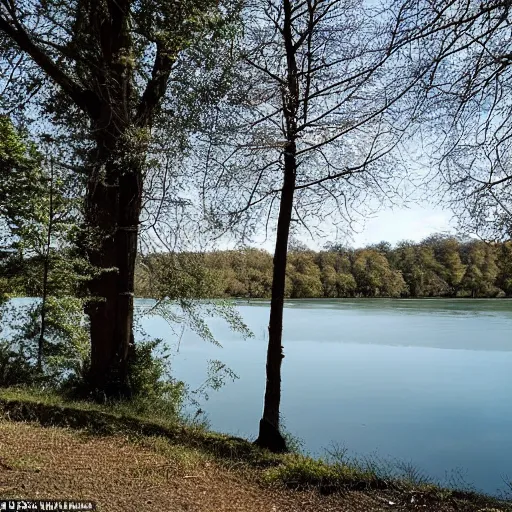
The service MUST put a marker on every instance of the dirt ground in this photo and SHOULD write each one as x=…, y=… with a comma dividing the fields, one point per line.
x=120, y=475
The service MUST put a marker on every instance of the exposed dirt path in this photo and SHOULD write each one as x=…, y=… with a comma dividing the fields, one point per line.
x=120, y=475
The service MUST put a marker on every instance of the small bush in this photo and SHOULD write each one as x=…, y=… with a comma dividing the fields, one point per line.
x=153, y=389
x=304, y=472
x=15, y=370
x=410, y=474
x=66, y=346
x=294, y=444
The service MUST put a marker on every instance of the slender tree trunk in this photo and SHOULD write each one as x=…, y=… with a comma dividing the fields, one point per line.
x=269, y=435
x=46, y=269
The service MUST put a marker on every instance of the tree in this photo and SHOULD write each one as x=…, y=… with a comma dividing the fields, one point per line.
x=19, y=180
x=345, y=281
x=448, y=262
x=345, y=284
x=336, y=272
x=326, y=262
x=20, y=177
x=466, y=106
x=374, y=277
x=434, y=284
x=304, y=275
x=104, y=68
x=309, y=132
x=43, y=232
x=40, y=217
x=259, y=273
x=481, y=269
x=490, y=271
x=504, y=277
x=407, y=262
x=183, y=279
x=409, y=269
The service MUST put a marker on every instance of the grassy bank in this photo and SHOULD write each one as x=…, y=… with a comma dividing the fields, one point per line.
x=291, y=474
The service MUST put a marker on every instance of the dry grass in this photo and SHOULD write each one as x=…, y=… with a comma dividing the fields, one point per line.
x=120, y=475
x=149, y=474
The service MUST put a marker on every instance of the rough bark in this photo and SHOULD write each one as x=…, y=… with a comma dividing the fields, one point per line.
x=115, y=210
x=113, y=206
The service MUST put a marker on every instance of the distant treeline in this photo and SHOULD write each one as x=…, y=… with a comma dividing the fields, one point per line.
x=439, y=266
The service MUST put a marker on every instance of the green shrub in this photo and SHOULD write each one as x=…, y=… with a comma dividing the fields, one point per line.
x=15, y=370
x=153, y=389
x=306, y=471
x=294, y=444
x=66, y=346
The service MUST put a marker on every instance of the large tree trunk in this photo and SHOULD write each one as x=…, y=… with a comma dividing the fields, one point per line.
x=102, y=61
x=113, y=202
x=113, y=209
x=269, y=435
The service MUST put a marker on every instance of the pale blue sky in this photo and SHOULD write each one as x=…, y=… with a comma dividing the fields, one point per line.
x=414, y=223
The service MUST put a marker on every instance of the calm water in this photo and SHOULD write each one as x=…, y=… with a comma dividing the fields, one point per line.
x=427, y=382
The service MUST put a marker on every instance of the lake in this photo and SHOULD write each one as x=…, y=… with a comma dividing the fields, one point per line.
x=422, y=381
